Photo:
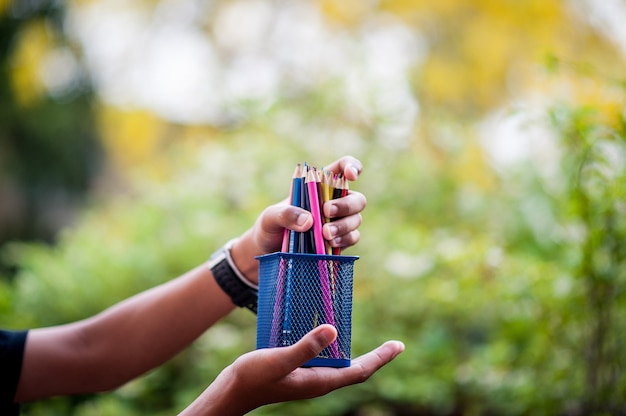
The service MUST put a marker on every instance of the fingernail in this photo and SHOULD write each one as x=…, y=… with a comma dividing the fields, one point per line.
x=333, y=230
x=355, y=170
x=334, y=209
x=325, y=337
x=302, y=218
x=400, y=350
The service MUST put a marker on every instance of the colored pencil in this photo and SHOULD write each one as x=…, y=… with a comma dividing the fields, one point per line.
x=287, y=233
x=314, y=202
x=283, y=284
x=306, y=237
x=327, y=192
x=296, y=201
x=325, y=288
x=310, y=189
x=341, y=190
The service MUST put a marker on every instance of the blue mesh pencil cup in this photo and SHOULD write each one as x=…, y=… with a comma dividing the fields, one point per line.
x=298, y=292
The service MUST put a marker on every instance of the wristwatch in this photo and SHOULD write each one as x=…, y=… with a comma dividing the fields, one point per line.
x=241, y=291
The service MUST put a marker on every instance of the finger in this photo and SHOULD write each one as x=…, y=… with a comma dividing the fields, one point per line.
x=363, y=367
x=346, y=240
x=352, y=203
x=309, y=347
x=342, y=227
x=380, y=356
x=349, y=166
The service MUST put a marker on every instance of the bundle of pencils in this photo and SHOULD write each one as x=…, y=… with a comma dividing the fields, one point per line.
x=310, y=189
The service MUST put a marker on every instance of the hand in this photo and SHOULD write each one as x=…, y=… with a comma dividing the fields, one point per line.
x=266, y=235
x=274, y=375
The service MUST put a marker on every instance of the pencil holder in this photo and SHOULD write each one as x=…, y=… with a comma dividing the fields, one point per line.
x=298, y=292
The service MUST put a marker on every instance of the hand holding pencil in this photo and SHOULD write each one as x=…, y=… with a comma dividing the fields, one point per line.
x=314, y=189
x=345, y=212
x=266, y=236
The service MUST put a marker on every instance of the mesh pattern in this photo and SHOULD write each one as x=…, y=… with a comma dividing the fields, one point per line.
x=298, y=292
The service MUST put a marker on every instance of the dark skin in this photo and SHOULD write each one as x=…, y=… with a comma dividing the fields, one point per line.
x=107, y=350
x=274, y=375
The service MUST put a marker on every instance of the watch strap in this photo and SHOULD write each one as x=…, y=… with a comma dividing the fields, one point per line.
x=242, y=292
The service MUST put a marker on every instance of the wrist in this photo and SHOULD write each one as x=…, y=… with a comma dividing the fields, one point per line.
x=219, y=398
x=231, y=280
x=244, y=258
x=238, y=261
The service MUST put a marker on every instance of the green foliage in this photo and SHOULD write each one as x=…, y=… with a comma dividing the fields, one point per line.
x=507, y=289
x=498, y=317
x=596, y=156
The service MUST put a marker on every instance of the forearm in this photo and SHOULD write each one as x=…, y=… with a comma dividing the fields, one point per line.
x=155, y=325
x=136, y=335
x=126, y=340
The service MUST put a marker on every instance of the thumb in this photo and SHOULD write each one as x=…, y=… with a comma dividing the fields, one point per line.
x=310, y=346
x=281, y=216
x=296, y=218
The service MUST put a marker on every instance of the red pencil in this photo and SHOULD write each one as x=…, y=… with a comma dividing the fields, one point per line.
x=341, y=190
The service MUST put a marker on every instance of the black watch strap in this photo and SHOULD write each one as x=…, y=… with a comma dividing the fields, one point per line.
x=239, y=292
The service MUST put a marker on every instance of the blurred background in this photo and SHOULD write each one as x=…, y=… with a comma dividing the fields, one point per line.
x=137, y=137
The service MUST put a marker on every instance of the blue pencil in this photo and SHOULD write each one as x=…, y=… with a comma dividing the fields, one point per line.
x=295, y=201
x=287, y=272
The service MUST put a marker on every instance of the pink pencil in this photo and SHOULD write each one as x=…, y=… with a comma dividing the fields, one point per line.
x=311, y=183
x=321, y=249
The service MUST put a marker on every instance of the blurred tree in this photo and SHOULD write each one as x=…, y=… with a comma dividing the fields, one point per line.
x=484, y=53
x=594, y=137
x=507, y=289
x=49, y=151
